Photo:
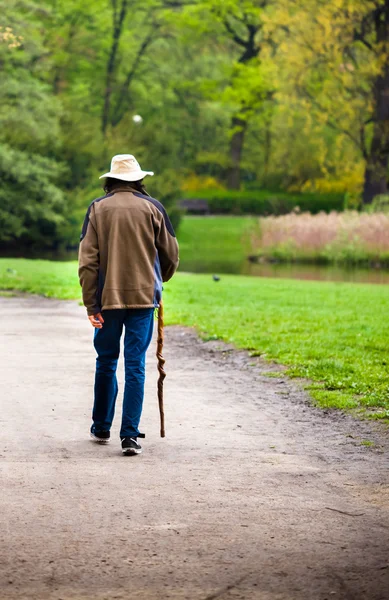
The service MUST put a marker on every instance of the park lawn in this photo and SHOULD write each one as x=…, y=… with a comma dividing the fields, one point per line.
x=215, y=243
x=334, y=334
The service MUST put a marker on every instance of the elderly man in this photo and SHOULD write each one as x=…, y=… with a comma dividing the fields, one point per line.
x=128, y=248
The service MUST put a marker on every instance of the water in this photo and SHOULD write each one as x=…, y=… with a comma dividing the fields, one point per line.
x=321, y=273
x=276, y=270
x=289, y=271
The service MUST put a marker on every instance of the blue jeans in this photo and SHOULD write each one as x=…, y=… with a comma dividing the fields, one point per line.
x=138, y=323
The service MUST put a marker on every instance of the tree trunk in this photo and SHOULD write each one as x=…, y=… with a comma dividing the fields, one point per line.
x=267, y=148
x=118, y=20
x=239, y=127
x=376, y=172
x=375, y=182
x=124, y=91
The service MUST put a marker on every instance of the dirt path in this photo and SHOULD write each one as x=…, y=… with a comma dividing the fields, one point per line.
x=252, y=495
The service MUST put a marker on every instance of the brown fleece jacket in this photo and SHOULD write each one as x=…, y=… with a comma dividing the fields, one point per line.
x=128, y=247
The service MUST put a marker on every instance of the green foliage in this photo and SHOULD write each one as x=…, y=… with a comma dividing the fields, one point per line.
x=29, y=114
x=334, y=335
x=73, y=77
x=31, y=204
x=379, y=204
x=262, y=202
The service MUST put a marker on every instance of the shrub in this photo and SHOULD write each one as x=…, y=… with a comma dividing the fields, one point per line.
x=379, y=204
x=262, y=202
x=194, y=183
x=32, y=206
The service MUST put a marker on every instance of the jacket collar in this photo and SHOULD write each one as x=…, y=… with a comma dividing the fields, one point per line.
x=123, y=189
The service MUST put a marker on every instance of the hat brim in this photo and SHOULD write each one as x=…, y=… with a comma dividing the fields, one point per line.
x=133, y=176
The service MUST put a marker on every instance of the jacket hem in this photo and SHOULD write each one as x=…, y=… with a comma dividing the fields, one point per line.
x=113, y=306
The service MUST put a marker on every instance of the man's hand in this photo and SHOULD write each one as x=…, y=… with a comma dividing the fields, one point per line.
x=96, y=320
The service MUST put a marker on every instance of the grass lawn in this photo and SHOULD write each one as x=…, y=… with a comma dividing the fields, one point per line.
x=212, y=244
x=335, y=334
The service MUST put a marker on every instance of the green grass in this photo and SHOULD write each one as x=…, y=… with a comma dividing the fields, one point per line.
x=212, y=244
x=334, y=334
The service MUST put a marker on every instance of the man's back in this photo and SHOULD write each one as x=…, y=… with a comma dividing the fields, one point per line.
x=128, y=247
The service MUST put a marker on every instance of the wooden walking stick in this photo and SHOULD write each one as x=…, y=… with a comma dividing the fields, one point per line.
x=161, y=362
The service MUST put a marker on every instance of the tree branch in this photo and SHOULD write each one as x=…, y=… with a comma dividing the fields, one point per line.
x=114, y=11
x=359, y=38
x=112, y=62
x=370, y=21
x=362, y=138
x=176, y=3
x=331, y=123
x=237, y=39
x=131, y=74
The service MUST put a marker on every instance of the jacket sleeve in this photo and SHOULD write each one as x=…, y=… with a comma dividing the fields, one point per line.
x=89, y=262
x=167, y=246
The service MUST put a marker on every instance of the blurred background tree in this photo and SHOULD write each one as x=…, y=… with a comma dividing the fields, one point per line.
x=32, y=207
x=332, y=62
x=272, y=97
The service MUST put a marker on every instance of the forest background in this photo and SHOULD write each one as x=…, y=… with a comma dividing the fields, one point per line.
x=283, y=102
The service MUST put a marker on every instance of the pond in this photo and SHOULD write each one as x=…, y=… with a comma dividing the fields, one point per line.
x=245, y=267
x=288, y=271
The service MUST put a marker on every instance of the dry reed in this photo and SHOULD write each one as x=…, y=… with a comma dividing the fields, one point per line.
x=348, y=237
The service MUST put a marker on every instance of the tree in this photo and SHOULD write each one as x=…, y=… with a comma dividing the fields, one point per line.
x=146, y=18
x=32, y=204
x=286, y=94
x=334, y=57
x=239, y=27
x=373, y=32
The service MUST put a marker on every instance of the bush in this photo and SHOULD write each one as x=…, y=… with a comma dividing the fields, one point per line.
x=32, y=206
x=262, y=202
x=379, y=204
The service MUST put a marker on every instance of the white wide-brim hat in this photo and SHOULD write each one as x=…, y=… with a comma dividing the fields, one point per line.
x=126, y=168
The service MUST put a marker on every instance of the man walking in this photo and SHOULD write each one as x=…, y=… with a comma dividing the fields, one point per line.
x=128, y=248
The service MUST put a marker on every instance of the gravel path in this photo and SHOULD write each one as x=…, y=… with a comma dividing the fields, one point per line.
x=253, y=494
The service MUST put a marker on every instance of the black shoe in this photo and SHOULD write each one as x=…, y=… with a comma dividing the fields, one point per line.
x=130, y=446
x=102, y=437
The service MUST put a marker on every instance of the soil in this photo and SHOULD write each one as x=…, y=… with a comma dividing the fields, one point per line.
x=253, y=494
